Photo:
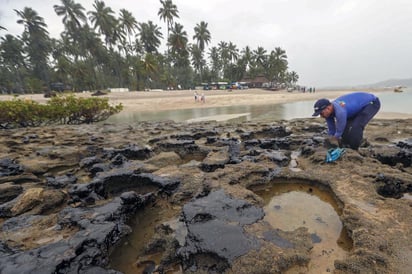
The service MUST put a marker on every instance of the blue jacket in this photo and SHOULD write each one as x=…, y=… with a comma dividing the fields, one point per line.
x=346, y=107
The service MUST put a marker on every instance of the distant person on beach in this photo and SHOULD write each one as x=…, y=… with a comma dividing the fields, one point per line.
x=203, y=98
x=347, y=117
x=196, y=95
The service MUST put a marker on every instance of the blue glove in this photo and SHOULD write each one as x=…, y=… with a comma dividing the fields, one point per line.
x=333, y=154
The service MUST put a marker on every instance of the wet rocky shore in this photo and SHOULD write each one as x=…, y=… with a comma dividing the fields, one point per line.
x=68, y=195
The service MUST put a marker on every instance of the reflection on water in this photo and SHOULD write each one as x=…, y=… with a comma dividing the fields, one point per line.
x=290, y=206
x=390, y=101
x=262, y=112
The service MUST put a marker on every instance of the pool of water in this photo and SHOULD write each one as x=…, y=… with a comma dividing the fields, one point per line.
x=390, y=102
x=288, y=206
x=293, y=205
x=129, y=256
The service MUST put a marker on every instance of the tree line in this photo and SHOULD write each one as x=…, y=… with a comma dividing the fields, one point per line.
x=98, y=49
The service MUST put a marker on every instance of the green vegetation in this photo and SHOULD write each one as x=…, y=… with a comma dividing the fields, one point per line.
x=66, y=109
x=99, y=49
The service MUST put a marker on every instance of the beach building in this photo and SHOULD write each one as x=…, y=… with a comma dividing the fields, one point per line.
x=256, y=82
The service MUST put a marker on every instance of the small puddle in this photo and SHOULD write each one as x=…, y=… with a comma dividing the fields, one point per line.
x=129, y=256
x=293, y=205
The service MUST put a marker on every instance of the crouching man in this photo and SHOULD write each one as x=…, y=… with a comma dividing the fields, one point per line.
x=347, y=117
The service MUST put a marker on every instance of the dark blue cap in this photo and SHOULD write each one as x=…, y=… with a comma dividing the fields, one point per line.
x=320, y=105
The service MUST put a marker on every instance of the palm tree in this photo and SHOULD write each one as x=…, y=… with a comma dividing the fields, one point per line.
x=103, y=20
x=260, y=59
x=228, y=54
x=33, y=23
x=260, y=55
x=62, y=65
x=178, y=39
x=36, y=38
x=197, y=60
x=118, y=35
x=150, y=64
x=96, y=54
x=137, y=45
x=150, y=69
x=280, y=63
x=12, y=58
x=178, y=42
x=224, y=55
x=168, y=12
x=150, y=36
x=281, y=55
x=127, y=23
x=72, y=14
x=247, y=57
x=233, y=52
x=215, y=63
x=231, y=71
x=202, y=35
x=11, y=51
x=293, y=77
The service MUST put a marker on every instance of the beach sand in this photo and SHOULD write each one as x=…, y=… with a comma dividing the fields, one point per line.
x=184, y=99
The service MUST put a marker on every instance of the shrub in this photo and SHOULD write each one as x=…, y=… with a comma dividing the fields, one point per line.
x=65, y=109
x=21, y=113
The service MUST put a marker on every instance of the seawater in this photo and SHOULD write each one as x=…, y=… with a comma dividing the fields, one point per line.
x=399, y=102
x=390, y=102
x=395, y=102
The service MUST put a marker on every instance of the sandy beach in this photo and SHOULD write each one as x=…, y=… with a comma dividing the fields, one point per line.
x=184, y=99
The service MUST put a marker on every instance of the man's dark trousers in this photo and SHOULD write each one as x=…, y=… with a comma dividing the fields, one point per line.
x=353, y=134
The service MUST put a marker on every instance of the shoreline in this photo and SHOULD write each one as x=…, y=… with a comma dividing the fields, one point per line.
x=145, y=101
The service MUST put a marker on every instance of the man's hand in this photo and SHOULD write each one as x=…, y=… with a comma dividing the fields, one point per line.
x=332, y=142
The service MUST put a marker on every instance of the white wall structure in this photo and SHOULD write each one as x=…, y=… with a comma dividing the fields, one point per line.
x=118, y=89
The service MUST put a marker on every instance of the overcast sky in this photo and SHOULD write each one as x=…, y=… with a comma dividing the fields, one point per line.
x=328, y=42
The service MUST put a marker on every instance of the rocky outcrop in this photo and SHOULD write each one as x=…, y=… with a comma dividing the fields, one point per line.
x=215, y=227
x=85, y=249
x=68, y=194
